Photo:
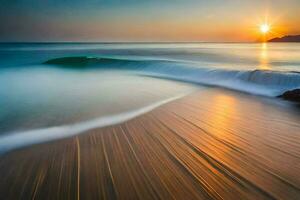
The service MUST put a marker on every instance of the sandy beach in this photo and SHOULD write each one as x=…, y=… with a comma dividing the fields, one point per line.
x=212, y=144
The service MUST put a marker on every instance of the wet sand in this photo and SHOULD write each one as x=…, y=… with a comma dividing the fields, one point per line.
x=213, y=144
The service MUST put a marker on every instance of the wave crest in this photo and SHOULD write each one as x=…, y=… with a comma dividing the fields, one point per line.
x=260, y=82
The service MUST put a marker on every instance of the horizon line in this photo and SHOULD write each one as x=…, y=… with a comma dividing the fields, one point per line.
x=119, y=42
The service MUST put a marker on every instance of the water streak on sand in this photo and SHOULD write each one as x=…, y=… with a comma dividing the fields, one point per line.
x=11, y=141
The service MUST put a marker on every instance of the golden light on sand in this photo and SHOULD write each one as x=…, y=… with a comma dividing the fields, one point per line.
x=264, y=28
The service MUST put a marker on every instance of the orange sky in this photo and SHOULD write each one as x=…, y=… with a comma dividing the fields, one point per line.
x=141, y=20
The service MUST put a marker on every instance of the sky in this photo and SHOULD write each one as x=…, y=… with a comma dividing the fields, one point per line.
x=146, y=20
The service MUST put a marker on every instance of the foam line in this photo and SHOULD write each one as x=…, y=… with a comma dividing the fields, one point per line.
x=16, y=140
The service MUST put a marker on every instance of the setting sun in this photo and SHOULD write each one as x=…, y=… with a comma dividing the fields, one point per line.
x=264, y=28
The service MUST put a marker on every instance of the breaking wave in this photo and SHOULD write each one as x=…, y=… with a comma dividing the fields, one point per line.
x=258, y=82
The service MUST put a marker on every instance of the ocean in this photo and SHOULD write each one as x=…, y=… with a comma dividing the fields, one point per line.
x=55, y=90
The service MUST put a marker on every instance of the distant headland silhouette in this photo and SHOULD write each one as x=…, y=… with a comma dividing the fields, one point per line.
x=288, y=38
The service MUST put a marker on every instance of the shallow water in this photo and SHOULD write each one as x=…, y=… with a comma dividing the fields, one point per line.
x=45, y=97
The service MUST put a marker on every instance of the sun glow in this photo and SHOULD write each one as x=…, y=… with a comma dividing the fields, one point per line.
x=264, y=28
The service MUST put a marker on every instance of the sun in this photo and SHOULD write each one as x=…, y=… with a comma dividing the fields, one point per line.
x=264, y=28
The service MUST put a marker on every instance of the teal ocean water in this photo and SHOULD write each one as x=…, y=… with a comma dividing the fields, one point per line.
x=46, y=89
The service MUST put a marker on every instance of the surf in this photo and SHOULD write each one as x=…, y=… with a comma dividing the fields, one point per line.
x=258, y=82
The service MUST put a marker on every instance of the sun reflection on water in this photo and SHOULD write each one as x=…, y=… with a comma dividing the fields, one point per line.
x=264, y=57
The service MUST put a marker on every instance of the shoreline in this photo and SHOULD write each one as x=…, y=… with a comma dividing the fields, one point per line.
x=211, y=144
x=15, y=140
